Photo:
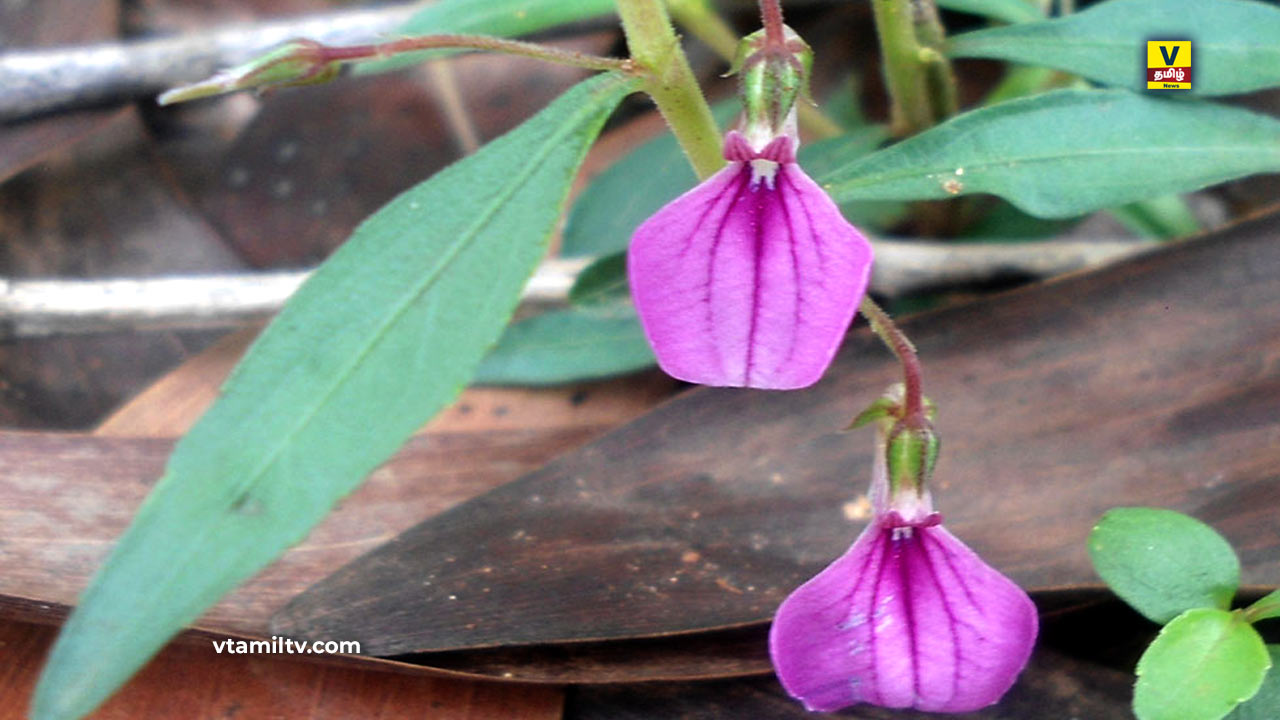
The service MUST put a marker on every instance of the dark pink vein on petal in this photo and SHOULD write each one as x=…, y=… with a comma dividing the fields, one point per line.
x=946, y=606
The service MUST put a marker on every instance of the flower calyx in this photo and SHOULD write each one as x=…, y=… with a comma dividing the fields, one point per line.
x=909, y=441
x=772, y=76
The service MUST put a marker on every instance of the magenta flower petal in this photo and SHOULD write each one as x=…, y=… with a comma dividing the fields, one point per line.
x=751, y=278
x=908, y=617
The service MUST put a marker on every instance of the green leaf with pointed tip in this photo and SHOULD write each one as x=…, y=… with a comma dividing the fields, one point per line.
x=1233, y=42
x=1200, y=666
x=563, y=346
x=1164, y=217
x=633, y=188
x=603, y=281
x=1010, y=11
x=1163, y=562
x=1265, y=608
x=1068, y=152
x=502, y=18
x=1265, y=705
x=381, y=337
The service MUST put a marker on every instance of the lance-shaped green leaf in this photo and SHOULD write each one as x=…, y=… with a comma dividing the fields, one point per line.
x=1266, y=608
x=1165, y=217
x=1233, y=42
x=1266, y=703
x=1199, y=667
x=1010, y=11
x=503, y=18
x=381, y=337
x=620, y=198
x=602, y=282
x=1163, y=562
x=569, y=345
x=1068, y=152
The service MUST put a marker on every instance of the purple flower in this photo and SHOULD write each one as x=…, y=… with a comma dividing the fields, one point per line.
x=751, y=278
x=909, y=617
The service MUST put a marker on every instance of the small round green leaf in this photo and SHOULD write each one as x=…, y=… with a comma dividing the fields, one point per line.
x=1163, y=562
x=1200, y=667
x=1266, y=704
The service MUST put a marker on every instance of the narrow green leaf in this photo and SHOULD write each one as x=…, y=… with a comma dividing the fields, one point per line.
x=1200, y=666
x=375, y=343
x=1005, y=223
x=1165, y=217
x=1020, y=81
x=1163, y=562
x=1266, y=704
x=1233, y=42
x=1010, y=11
x=1069, y=152
x=603, y=281
x=503, y=18
x=1265, y=609
x=620, y=198
x=568, y=345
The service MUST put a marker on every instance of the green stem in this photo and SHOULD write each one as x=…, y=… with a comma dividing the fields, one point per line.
x=939, y=77
x=884, y=327
x=670, y=82
x=918, y=75
x=704, y=23
x=900, y=51
x=355, y=53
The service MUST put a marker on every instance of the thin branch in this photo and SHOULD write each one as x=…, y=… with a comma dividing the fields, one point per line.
x=30, y=308
x=390, y=48
x=45, y=80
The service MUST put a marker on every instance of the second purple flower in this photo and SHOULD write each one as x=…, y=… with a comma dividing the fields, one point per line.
x=751, y=278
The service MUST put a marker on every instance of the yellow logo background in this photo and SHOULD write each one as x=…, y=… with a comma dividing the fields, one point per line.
x=1168, y=64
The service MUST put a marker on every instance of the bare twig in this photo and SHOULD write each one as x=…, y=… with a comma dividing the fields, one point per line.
x=31, y=308
x=53, y=79
x=908, y=266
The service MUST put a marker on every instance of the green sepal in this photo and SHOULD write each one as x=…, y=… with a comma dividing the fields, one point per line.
x=912, y=453
x=884, y=408
x=771, y=81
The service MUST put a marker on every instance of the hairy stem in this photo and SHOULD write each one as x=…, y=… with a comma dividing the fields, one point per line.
x=670, y=82
x=771, y=19
x=883, y=326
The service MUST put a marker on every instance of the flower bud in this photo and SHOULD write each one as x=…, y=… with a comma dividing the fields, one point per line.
x=298, y=62
x=771, y=79
x=911, y=453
